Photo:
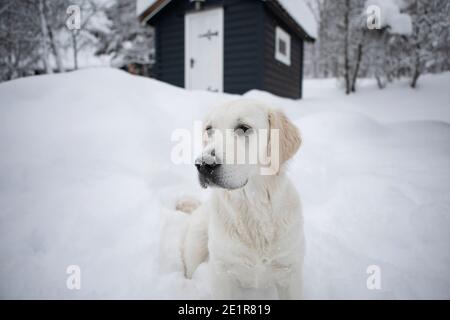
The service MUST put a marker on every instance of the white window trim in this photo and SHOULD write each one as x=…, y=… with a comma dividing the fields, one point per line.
x=280, y=34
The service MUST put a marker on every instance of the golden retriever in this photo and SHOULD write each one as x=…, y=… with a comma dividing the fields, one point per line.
x=252, y=227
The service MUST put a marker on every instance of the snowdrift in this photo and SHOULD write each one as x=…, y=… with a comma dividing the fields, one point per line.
x=86, y=179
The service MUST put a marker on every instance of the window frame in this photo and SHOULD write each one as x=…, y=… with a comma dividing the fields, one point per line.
x=282, y=35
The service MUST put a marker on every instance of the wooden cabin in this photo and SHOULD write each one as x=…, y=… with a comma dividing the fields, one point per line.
x=230, y=46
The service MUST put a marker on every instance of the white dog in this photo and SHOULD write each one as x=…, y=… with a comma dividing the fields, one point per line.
x=252, y=227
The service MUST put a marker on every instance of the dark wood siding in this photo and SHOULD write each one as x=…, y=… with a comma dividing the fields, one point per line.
x=243, y=46
x=249, y=47
x=242, y=43
x=279, y=78
x=169, y=44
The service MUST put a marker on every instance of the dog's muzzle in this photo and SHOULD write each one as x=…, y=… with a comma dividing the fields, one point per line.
x=207, y=170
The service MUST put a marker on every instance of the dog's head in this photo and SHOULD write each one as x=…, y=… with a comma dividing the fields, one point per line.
x=240, y=139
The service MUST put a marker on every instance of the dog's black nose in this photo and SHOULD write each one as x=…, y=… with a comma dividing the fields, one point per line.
x=206, y=168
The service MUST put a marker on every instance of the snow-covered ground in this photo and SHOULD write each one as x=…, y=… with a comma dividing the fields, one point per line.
x=86, y=179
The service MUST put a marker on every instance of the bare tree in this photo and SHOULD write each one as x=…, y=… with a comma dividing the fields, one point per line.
x=346, y=49
x=44, y=38
x=430, y=41
x=54, y=17
x=346, y=46
x=86, y=35
x=20, y=39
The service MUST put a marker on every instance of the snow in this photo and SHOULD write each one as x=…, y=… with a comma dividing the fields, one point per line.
x=142, y=5
x=302, y=14
x=390, y=16
x=86, y=179
x=298, y=9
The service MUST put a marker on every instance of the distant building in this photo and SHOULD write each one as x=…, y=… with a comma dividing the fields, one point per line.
x=230, y=45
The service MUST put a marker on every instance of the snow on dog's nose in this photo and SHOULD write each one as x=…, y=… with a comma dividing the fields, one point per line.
x=207, y=165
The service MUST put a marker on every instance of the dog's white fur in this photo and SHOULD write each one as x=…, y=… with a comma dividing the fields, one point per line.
x=253, y=234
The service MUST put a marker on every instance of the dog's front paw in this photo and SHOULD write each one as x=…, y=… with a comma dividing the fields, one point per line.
x=188, y=271
x=187, y=205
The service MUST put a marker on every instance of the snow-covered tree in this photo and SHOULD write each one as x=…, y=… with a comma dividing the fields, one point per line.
x=385, y=27
x=413, y=37
x=34, y=37
x=93, y=23
x=20, y=39
x=52, y=18
x=128, y=41
x=430, y=40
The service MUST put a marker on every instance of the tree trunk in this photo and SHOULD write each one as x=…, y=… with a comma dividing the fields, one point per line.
x=380, y=83
x=417, y=64
x=51, y=38
x=44, y=31
x=415, y=78
x=56, y=52
x=346, y=51
x=315, y=60
x=417, y=69
x=358, y=65
x=75, y=49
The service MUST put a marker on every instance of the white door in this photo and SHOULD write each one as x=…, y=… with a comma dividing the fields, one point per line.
x=204, y=50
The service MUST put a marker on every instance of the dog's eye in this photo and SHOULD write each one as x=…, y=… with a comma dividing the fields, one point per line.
x=209, y=130
x=243, y=129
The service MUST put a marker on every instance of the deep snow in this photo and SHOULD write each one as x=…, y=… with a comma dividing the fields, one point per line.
x=86, y=179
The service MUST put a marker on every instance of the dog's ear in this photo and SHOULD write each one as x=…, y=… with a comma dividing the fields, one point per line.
x=289, y=134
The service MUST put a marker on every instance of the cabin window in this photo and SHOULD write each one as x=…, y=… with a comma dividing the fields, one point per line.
x=282, y=46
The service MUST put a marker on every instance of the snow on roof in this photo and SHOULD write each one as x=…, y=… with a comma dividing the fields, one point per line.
x=142, y=5
x=302, y=14
x=390, y=15
x=298, y=9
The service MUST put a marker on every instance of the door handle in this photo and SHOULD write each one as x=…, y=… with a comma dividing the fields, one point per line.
x=192, y=62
